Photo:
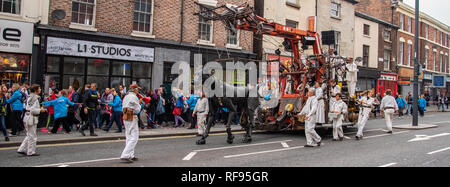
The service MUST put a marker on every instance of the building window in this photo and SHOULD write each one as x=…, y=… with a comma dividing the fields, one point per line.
x=402, y=22
x=387, y=60
x=409, y=24
x=205, y=29
x=442, y=69
x=409, y=54
x=434, y=61
x=10, y=6
x=426, y=31
x=426, y=57
x=335, y=10
x=291, y=23
x=338, y=40
x=292, y=3
x=442, y=38
x=143, y=15
x=232, y=39
x=387, y=35
x=366, y=30
x=401, y=50
x=83, y=12
x=435, y=35
x=366, y=51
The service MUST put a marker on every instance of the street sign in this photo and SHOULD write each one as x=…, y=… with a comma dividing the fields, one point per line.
x=439, y=81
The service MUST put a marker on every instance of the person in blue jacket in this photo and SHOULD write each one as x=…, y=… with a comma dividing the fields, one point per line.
x=422, y=105
x=17, y=109
x=117, y=112
x=402, y=104
x=192, y=101
x=60, y=106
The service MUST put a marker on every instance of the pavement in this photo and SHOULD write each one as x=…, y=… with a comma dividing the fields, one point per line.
x=45, y=138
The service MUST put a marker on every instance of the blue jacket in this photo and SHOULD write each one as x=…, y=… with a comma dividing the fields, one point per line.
x=422, y=102
x=116, y=104
x=401, y=103
x=60, y=106
x=192, y=101
x=16, y=101
x=179, y=101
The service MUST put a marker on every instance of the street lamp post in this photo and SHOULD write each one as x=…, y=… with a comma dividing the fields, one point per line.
x=416, y=69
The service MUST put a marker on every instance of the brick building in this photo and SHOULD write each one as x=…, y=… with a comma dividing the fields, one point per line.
x=383, y=13
x=118, y=42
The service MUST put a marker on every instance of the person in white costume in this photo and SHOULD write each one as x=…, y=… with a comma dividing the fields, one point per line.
x=335, y=89
x=388, y=106
x=31, y=119
x=366, y=108
x=131, y=107
x=201, y=110
x=352, y=76
x=309, y=110
x=339, y=108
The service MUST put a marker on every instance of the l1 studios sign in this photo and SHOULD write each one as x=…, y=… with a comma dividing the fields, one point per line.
x=61, y=46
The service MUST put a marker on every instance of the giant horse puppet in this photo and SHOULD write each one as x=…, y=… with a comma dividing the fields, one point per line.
x=245, y=106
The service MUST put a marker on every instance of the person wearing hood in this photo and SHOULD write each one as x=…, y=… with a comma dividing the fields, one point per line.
x=33, y=109
x=117, y=112
x=60, y=107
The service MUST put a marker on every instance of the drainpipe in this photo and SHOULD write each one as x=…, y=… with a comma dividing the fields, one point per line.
x=182, y=21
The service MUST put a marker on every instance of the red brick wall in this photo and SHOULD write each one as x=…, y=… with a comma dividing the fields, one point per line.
x=116, y=17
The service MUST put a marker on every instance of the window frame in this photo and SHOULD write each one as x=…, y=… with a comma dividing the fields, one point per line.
x=366, y=29
x=211, y=37
x=401, y=53
x=366, y=56
x=20, y=4
x=94, y=12
x=338, y=10
x=151, y=19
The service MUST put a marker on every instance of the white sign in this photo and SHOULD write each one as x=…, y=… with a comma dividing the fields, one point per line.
x=427, y=76
x=16, y=37
x=69, y=47
x=388, y=78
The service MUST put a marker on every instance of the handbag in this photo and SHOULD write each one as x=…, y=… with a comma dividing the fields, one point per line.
x=176, y=111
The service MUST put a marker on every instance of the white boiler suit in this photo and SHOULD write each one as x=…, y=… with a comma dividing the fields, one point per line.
x=366, y=108
x=389, y=106
x=310, y=109
x=131, y=101
x=352, y=78
x=341, y=108
x=31, y=120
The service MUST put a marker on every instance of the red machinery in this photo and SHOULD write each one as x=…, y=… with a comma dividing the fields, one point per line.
x=242, y=17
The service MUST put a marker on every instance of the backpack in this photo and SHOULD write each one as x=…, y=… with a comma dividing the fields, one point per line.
x=24, y=97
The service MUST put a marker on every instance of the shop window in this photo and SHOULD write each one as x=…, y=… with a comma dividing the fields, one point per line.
x=53, y=64
x=144, y=84
x=14, y=68
x=10, y=6
x=51, y=82
x=143, y=15
x=74, y=65
x=121, y=68
x=98, y=67
x=142, y=70
x=101, y=81
x=117, y=81
x=83, y=12
x=75, y=81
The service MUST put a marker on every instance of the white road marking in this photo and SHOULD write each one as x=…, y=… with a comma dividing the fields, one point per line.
x=230, y=147
x=384, y=135
x=193, y=153
x=440, y=150
x=387, y=165
x=63, y=166
x=425, y=137
x=348, y=138
x=81, y=162
x=284, y=144
x=189, y=156
x=262, y=152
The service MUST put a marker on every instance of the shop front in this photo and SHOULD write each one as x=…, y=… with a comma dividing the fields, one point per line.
x=387, y=81
x=73, y=62
x=367, y=78
x=16, y=43
x=406, y=80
